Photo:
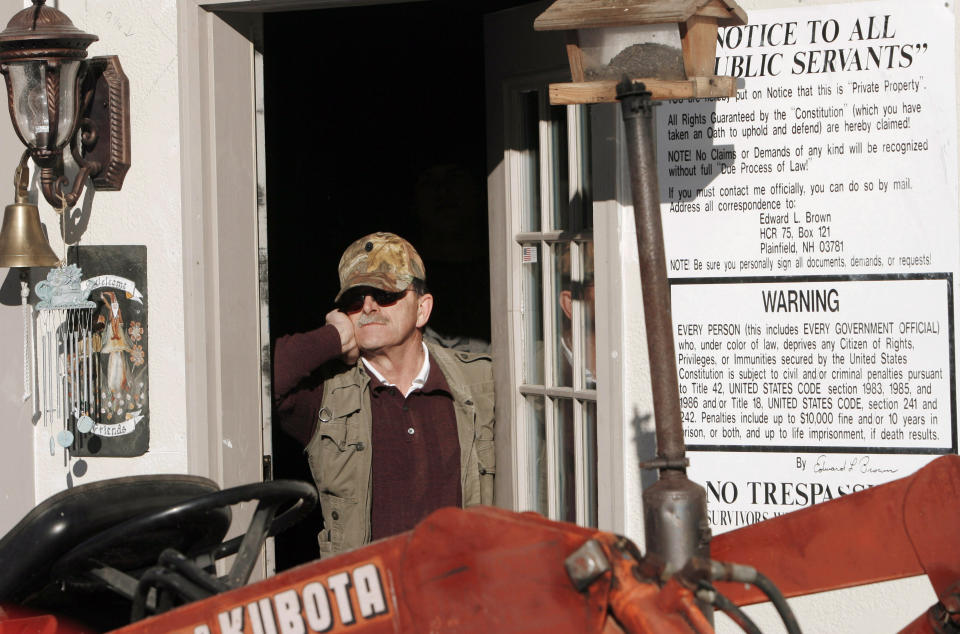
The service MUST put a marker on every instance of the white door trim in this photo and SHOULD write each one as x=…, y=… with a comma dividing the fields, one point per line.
x=220, y=246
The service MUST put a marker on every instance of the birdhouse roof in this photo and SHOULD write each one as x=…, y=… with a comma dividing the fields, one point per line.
x=585, y=14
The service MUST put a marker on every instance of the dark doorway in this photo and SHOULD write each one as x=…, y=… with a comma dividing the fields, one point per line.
x=374, y=122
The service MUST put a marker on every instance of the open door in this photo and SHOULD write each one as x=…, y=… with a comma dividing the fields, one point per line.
x=399, y=146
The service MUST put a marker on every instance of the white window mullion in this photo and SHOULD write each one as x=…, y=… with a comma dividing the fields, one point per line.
x=549, y=364
x=521, y=168
x=519, y=175
x=522, y=459
x=549, y=312
x=553, y=463
x=575, y=152
x=559, y=392
x=576, y=342
x=547, y=202
x=576, y=318
x=580, y=467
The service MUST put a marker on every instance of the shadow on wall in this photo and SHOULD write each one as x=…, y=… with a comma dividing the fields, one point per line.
x=10, y=286
x=681, y=161
x=645, y=444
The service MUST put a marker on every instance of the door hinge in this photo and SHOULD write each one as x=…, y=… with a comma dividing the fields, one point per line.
x=267, y=468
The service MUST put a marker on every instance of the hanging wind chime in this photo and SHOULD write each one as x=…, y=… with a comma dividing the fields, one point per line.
x=64, y=345
x=60, y=351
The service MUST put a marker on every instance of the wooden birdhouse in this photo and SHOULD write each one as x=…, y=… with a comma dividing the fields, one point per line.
x=669, y=45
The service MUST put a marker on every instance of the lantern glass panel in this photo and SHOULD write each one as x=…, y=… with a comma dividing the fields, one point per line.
x=31, y=106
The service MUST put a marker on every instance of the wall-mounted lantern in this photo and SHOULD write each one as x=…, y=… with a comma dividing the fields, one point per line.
x=611, y=39
x=57, y=98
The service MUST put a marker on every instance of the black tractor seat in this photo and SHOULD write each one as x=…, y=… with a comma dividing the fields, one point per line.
x=54, y=527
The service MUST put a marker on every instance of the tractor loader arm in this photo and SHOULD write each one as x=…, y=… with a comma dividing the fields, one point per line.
x=900, y=529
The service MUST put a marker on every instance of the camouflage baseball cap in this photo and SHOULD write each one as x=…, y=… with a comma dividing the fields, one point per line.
x=380, y=260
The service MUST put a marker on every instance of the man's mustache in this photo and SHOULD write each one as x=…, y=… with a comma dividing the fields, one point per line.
x=366, y=319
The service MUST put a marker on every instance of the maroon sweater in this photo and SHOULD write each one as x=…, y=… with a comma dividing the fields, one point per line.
x=416, y=450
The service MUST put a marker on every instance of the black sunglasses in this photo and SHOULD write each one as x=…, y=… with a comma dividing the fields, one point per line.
x=352, y=300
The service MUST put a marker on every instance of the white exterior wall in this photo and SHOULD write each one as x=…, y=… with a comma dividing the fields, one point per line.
x=150, y=211
x=146, y=212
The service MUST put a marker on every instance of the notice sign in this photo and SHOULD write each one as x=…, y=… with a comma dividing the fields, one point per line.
x=811, y=228
x=841, y=368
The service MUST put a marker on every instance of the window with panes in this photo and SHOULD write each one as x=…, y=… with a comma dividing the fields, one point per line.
x=557, y=370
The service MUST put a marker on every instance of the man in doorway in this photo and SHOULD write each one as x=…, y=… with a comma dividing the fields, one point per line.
x=394, y=427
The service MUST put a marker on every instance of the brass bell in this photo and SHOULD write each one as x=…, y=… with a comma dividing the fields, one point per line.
x=22, y=241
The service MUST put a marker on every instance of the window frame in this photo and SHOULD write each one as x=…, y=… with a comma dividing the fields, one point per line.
x=605, y=235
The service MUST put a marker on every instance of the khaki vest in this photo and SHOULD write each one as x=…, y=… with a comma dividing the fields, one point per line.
x=339, y=451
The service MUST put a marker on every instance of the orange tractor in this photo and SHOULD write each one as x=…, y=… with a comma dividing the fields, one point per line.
x=152, y=540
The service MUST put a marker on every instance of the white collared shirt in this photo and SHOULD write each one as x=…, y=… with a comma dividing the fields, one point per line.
x=589, y=378
x=418, y=381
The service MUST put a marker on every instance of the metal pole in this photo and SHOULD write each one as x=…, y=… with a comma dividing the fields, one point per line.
x=675, y=508
x=637, y=112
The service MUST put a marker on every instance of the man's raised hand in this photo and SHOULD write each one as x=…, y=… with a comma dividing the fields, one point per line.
x=349, y=351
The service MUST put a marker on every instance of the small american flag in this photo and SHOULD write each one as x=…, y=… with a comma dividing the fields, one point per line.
x=528, y=255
